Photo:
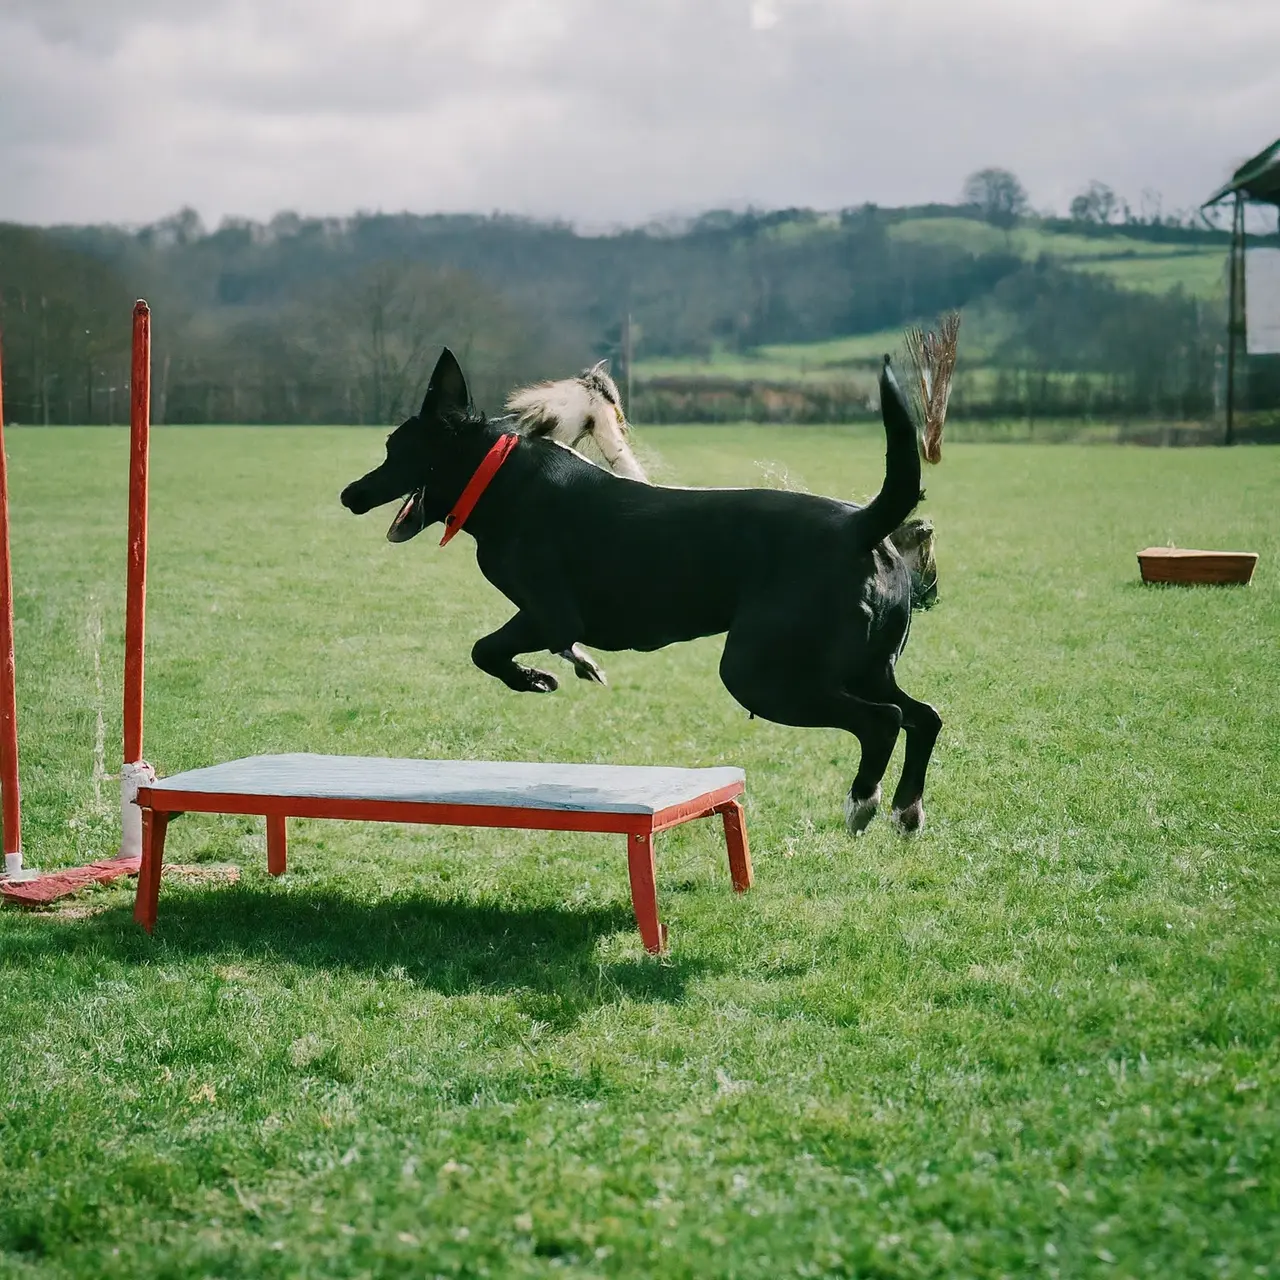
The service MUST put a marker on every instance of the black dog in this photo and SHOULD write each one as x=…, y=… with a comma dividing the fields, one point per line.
x=815, y=600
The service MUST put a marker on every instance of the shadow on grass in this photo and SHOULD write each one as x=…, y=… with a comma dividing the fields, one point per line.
x=548, y=954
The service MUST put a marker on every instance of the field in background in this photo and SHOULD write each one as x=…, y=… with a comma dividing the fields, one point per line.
x=1039, y=1040
x=1128, y=260
x=844, y=369
x=1132, y=259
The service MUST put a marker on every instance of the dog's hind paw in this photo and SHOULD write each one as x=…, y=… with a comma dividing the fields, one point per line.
x=859, y=812
x=910, y=818
x=534, y=681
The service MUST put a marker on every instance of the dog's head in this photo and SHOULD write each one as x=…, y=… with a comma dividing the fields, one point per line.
x=423, y=465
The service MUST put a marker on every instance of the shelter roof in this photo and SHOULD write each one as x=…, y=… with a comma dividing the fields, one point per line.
x=1256, y=179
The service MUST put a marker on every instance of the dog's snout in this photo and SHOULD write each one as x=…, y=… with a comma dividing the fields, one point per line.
x=352, y=499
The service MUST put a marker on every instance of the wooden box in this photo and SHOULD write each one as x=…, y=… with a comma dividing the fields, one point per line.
x=1177, y=564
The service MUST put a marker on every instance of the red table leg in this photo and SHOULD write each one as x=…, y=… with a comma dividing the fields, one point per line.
x=644, y=891
x=154, y=826
x=276, y=844
x=735, y=836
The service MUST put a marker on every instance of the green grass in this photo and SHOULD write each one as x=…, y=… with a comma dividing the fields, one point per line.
x=837, y=360
x=1130, y=261
x=1202, y=275
x=1039, y=1040
x=1201, y=269
x=851, y=359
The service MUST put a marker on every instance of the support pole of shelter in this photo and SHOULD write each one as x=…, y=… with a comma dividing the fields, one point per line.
x=1235, y=310
x=135, y=771
x=10, y=797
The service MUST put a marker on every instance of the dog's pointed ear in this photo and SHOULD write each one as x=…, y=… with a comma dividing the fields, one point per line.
x=447, y=391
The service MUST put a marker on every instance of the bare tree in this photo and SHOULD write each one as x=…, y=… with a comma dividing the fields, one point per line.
x=998, y=194
x=403, y=311
x=375, y=336
x=1097, y=203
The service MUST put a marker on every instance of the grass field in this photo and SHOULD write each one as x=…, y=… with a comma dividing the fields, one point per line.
x=1129, y=261
x=1041, y=1039
x=838, y=359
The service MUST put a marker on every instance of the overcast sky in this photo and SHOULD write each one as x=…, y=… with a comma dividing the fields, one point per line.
x=616, y=111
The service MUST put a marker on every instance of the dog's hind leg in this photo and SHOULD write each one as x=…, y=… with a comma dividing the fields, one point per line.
x=585, y=667
x=875, y=725
x=495, y=655
x=781, y=691
x=922, y=724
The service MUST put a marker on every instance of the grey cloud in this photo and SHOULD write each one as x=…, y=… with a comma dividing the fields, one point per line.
x=617, y=111
x=98, y=24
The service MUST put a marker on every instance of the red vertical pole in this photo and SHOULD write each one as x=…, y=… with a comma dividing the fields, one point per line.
x=9, y=796
x=136, y=588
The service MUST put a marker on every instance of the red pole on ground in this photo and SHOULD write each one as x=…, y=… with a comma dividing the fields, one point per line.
x=134, y=771
x=57, y=884
x=9, y=795
x=136, y=588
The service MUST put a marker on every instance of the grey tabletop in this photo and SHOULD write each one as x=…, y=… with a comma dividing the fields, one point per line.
x=588, y=788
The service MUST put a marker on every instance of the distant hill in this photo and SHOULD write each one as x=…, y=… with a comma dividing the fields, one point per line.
x=778, y=314
x=1093, y=277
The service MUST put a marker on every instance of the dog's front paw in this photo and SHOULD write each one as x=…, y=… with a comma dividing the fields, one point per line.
x=585, y=667
x=910, y=818
x=859, y=812
x=531, y=680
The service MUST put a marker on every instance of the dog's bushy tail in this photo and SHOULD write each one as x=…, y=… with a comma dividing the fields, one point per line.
x=573, y=410
x=900, y=492
x=933, y=362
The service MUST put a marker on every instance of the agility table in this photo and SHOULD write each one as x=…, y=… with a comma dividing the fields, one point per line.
x=631, y=800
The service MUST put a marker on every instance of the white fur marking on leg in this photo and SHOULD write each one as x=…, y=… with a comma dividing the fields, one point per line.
x=858, y=813
x=910, y=820
x=586, y=667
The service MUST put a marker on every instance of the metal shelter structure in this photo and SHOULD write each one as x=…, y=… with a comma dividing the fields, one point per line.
x=1256, y=181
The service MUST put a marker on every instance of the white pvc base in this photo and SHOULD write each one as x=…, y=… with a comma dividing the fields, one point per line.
x=132, y=776
x=14, y=870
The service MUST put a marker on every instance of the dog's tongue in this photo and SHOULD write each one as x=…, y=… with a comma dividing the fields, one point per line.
x=408, y=519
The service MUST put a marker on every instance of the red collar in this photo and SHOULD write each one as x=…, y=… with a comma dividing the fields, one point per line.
x=478, y=483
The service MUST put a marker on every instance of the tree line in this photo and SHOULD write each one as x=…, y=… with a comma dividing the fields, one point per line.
x=315, y=320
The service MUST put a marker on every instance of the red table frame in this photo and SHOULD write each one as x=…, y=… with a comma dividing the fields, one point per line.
x=160, y=805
